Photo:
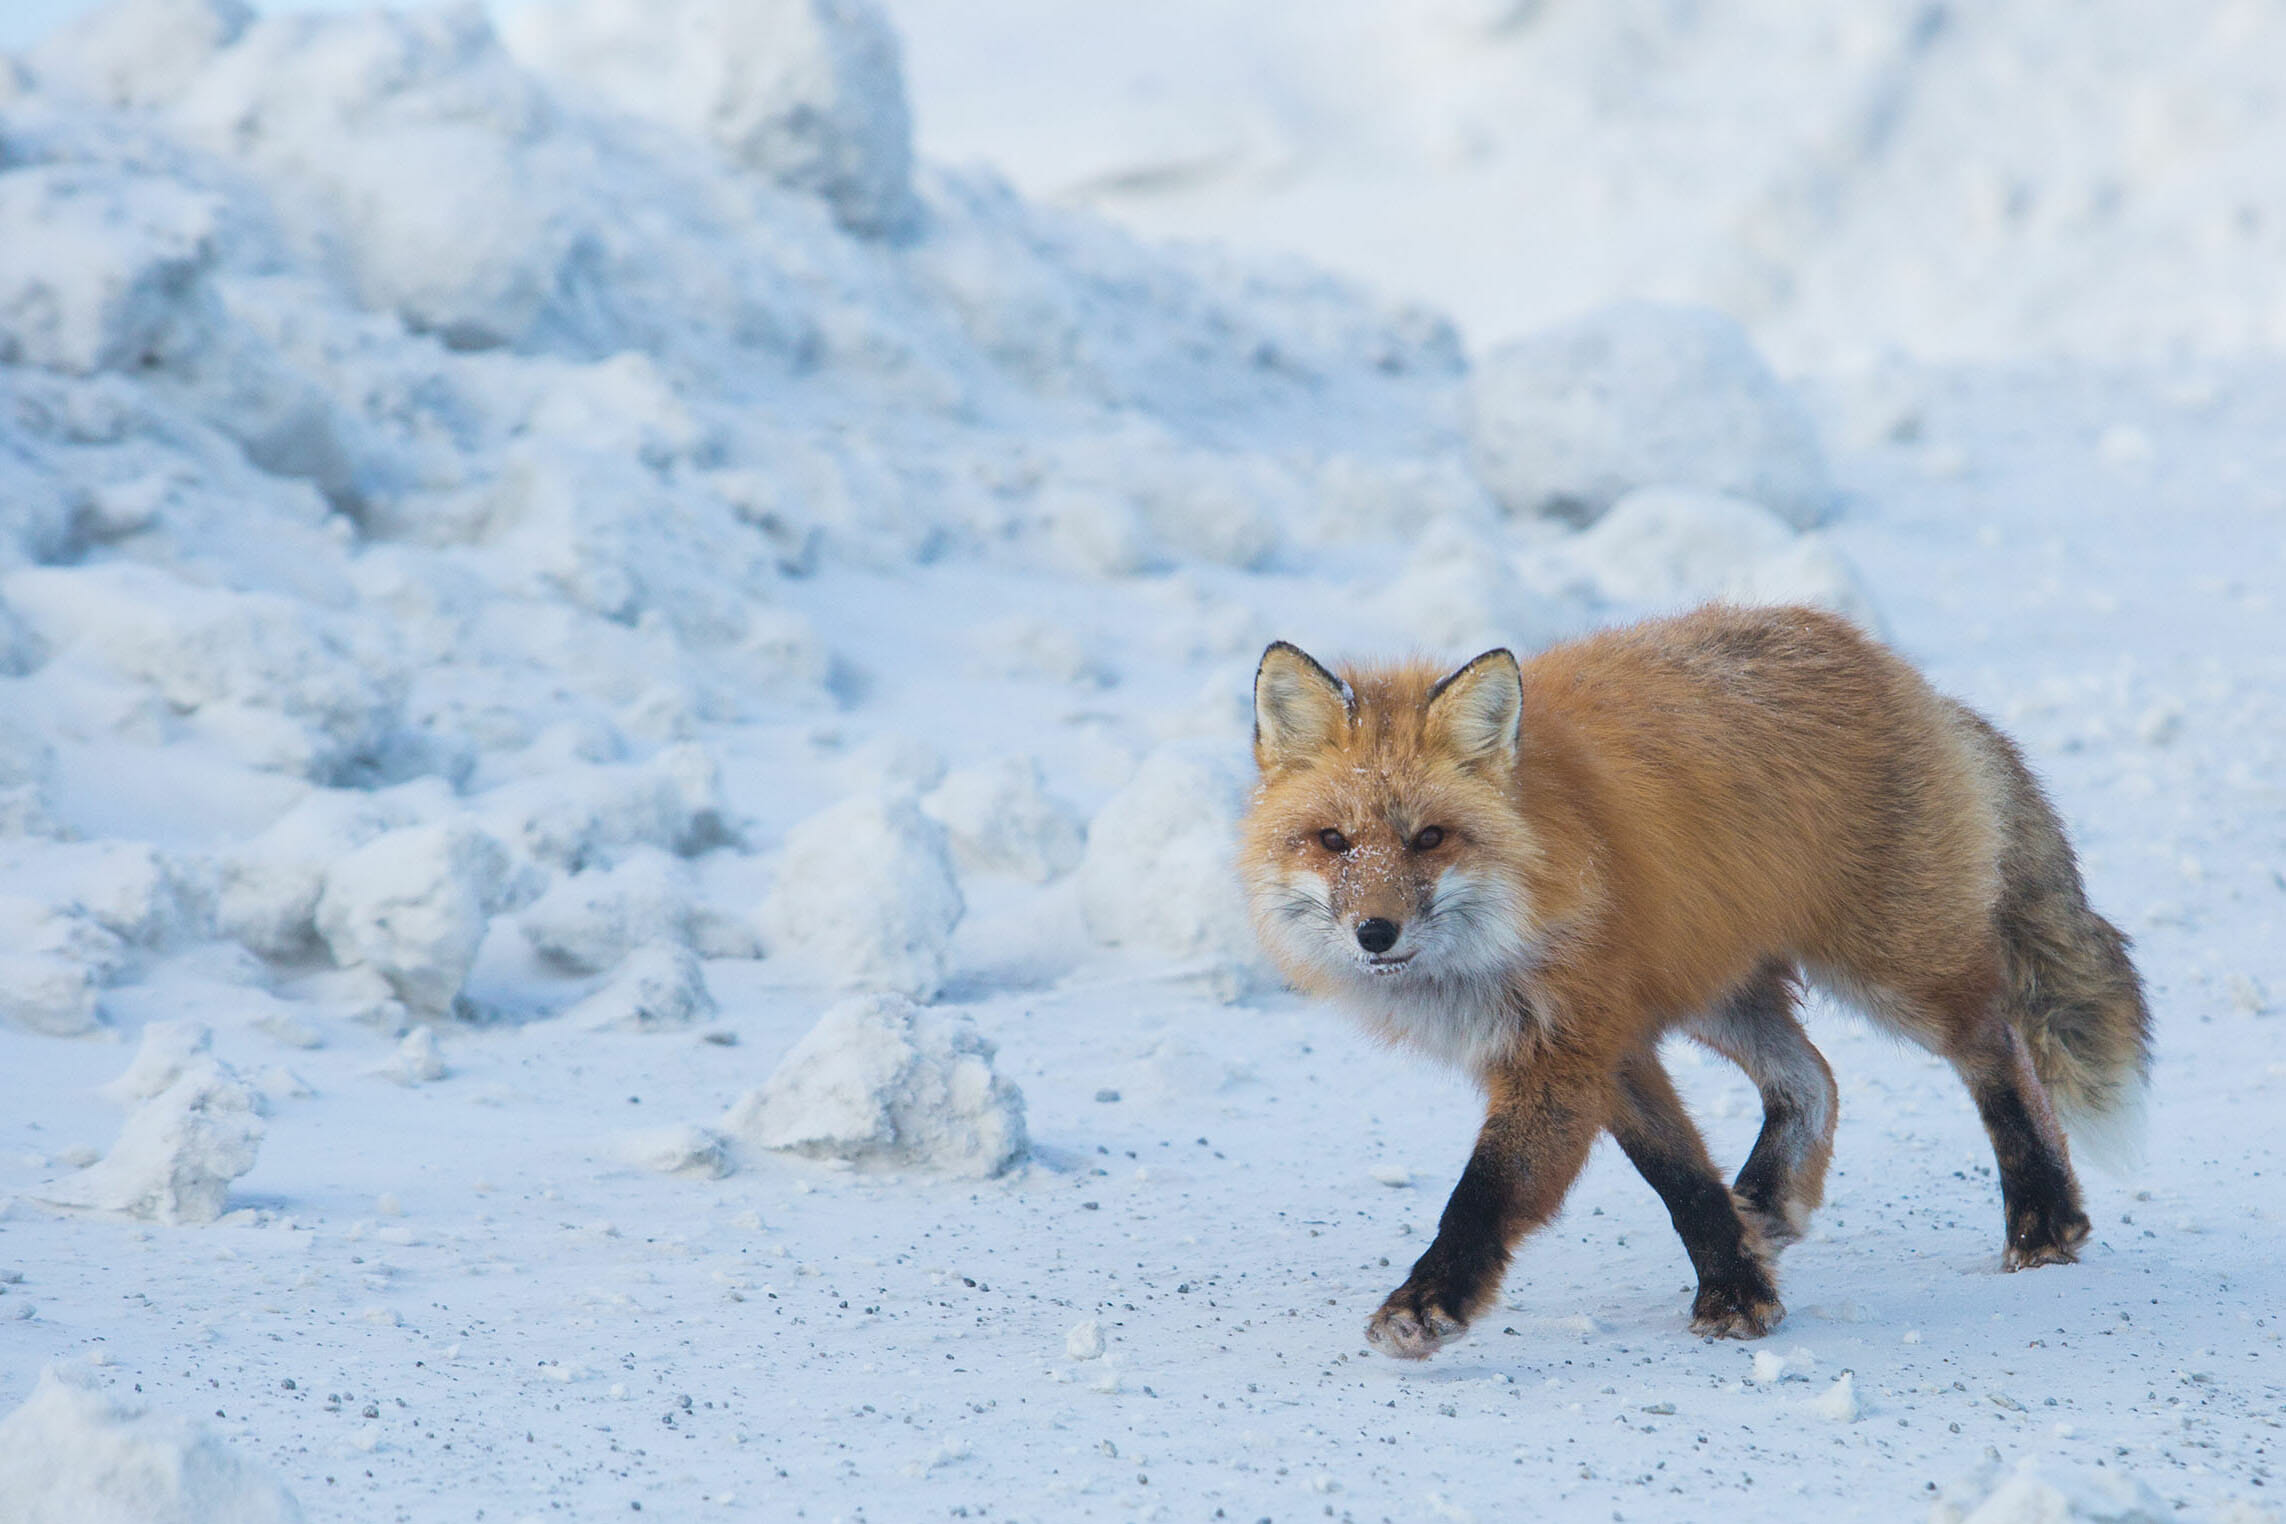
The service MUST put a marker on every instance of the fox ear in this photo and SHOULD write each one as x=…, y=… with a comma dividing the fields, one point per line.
x=1479, y=710
x=1300, y=708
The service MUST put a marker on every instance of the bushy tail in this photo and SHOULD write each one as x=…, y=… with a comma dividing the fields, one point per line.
x=2073, y=995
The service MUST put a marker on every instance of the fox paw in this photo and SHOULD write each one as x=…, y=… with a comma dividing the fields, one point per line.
x=1732, y=1311
x=2044, y=1238
x=1413, y=1325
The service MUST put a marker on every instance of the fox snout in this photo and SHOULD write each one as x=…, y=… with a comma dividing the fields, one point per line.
x=1377, y=934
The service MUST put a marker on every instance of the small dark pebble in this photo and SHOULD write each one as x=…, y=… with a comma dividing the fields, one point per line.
x=1107, y=1095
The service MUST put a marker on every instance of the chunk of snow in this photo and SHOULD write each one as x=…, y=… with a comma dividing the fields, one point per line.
x=1158, y=874
x=1459, y=593
x=1085, y=1341
x=1837, y=1403
x=279, y=682
x=865, y=896
x=594, y=815
x=591, y=920
x=102, y=269
x=1000, y=818
x=267, y=889
x=2042, y=1491
x=809, y=93
x=1771, y=1367
x=53, y=963
x=167, y=1049
x=679, y=1149
x=880, y=1081
x=140, y=52
x=1667, y=548
x=72, y=1455
x=177, y=1152
x=413, y=905
x=1569, y=420
x=660, y=984
x=415, y=1060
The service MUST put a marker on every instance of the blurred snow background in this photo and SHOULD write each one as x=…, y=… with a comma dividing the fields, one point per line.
x=624, y=635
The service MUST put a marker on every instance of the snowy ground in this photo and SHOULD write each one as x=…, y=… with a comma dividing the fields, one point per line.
x=507, y=577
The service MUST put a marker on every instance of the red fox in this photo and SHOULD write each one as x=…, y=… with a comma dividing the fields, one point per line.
x=1537, y=871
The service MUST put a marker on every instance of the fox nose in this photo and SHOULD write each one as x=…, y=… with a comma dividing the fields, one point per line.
x=1377, y=935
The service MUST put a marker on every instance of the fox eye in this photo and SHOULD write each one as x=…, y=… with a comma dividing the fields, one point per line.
x=1430, y=838
x=1333, y=841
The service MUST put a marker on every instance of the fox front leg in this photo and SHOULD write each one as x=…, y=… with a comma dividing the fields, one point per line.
x=1533, y=1144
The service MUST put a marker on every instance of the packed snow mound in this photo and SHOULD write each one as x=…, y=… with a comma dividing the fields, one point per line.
x=865, y=897
x=2039, y=1492
x=167, y=1049
x=1463, y=591
x=681, y=1148
x=1159, y=876
x=1567, y=421
x=413, y=905
x=141, y=52
x=661, y=984
x=281, y=684
x=55, y=962
x=268, y=887
x=1672, y=548
x=809, y=93
x=879, y=1081
x=71, y=1455
x=177, y=1152
x=592, y=919
x=102, y=270
x=1000, y=818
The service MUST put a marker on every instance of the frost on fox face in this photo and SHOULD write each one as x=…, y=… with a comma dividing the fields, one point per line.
x=1540, y=871
x=1385, y=871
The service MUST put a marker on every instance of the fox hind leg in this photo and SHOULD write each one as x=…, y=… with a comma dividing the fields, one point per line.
x=1736, y=1297
x=1784, y=1178
x=2039, y=1195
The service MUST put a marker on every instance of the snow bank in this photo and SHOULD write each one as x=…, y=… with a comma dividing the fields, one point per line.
x=178, y=1150
x=1669, y=548
x=1158, y=874
x=1567, y=421
x=879, y=1081
x=71, y=1455
x=808, y=93
x=413, y=905
x=1000, y=818
x=865, y=896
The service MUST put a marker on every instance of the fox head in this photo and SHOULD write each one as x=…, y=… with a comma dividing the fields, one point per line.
x=1385, y=856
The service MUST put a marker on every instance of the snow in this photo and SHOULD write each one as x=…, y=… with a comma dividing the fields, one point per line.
x=179, y=1149
x=1568, y=421
x=881, y=1081
x=73, y=1455
x=1000, y=818
x=865, y=896
x=1157, y=877
x=561, y=582
x=659, y=984
x=413, y=905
